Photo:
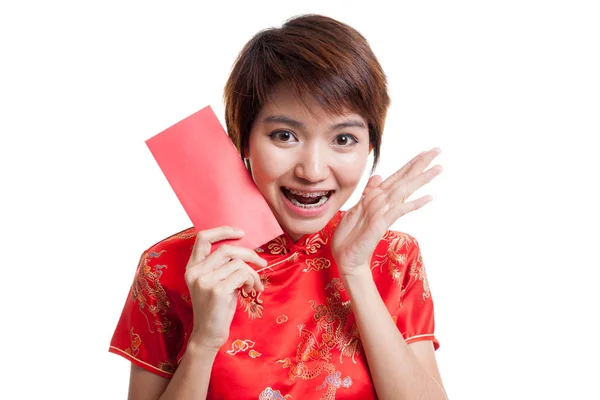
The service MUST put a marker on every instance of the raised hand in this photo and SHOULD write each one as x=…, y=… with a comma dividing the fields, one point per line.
x=382, y=203
x=213, y=280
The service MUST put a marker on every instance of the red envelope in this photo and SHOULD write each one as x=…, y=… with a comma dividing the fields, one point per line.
x=210, y=180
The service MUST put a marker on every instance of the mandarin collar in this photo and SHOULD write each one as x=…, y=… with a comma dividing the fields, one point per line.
x=308, y=244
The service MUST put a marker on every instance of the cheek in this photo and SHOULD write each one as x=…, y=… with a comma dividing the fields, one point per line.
x=267, y=166
x=352, y=169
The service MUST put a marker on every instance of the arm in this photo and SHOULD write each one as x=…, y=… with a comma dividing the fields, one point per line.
x=415, y=374
x=213, y=280
x=190, y=380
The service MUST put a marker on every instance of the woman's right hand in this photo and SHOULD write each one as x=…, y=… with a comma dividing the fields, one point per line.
x=213, y=280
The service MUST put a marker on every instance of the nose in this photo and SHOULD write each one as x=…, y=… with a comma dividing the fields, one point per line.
x=312, y=164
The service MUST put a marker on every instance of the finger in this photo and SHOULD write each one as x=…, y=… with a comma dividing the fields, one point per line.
x=400, y=173
x=373, y=182
x=413, y=167
x=226, y=253
x=373, y=199
x=423, y=162
x=204, y=240
x=241, y=277
x=219, y=274
x=401, y=209
x=404, y=190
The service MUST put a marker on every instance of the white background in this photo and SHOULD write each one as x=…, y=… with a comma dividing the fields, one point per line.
x=509, y=90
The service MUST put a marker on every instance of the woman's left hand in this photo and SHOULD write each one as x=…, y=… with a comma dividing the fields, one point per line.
x=381, y=204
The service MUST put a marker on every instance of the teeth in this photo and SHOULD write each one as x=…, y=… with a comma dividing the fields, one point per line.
x=318, y=204
x=307, y=194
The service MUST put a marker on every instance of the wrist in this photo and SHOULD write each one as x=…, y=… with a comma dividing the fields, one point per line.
x=359, y=276
x=197, y=344
x=359, y=272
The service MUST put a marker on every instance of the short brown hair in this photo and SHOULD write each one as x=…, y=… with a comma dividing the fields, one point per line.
x=314, y=55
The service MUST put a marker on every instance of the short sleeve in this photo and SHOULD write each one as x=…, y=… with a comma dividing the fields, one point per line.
x=150, y=331
x=415, y=317
x=398, y=269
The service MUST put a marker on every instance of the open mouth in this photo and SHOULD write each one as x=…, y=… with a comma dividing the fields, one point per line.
x=306, y=200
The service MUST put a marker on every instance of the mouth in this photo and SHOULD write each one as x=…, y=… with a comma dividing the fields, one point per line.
x=307, y=200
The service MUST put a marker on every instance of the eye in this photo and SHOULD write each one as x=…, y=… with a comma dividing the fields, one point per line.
x=344, y=140
x=283, y=136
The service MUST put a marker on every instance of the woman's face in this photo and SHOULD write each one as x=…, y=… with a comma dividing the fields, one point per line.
x=305, y=162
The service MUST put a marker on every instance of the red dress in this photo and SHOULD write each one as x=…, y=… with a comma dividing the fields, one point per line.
x=296, y=340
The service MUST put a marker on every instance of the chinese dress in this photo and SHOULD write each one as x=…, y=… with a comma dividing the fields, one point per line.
x=296, y=340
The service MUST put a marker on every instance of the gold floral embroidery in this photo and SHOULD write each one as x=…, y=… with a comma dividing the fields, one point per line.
x=150, y=295
x=251, y=303
x=317, y=264
x=136, y=341
x=264, y=278
x=281, y=319
x=270, y=394
x=239, y=345
x=313, y=244
x=254, y=354
x=418, y=271
x=277, y=246
x=314, y=352
x=336, y=380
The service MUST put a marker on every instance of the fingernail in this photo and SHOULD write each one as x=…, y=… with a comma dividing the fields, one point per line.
x=238, y=231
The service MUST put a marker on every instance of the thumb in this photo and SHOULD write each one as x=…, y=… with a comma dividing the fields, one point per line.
x=373, y=182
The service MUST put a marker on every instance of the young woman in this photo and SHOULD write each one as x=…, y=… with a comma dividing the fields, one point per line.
x=338, y=307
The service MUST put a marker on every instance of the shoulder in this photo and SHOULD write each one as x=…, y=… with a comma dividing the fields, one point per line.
x=175, y=248
x=394, y=257
x=395, y=243
x=163, y=264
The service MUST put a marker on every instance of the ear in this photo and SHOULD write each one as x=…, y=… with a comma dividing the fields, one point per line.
x=245, y=155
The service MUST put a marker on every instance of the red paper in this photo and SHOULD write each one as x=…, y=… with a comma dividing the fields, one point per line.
x=210, y=180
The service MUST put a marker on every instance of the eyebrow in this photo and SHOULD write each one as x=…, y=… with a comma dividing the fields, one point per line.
x=282, y=119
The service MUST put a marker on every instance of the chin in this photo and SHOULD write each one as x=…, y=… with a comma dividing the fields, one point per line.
x=298, y=228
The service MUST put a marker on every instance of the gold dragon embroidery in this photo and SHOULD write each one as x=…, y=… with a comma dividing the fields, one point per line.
x=418, y=271
x=149, y=294
x=394, y=257
x=315, y=350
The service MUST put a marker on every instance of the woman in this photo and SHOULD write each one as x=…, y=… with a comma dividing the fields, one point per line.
x=336, y=307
